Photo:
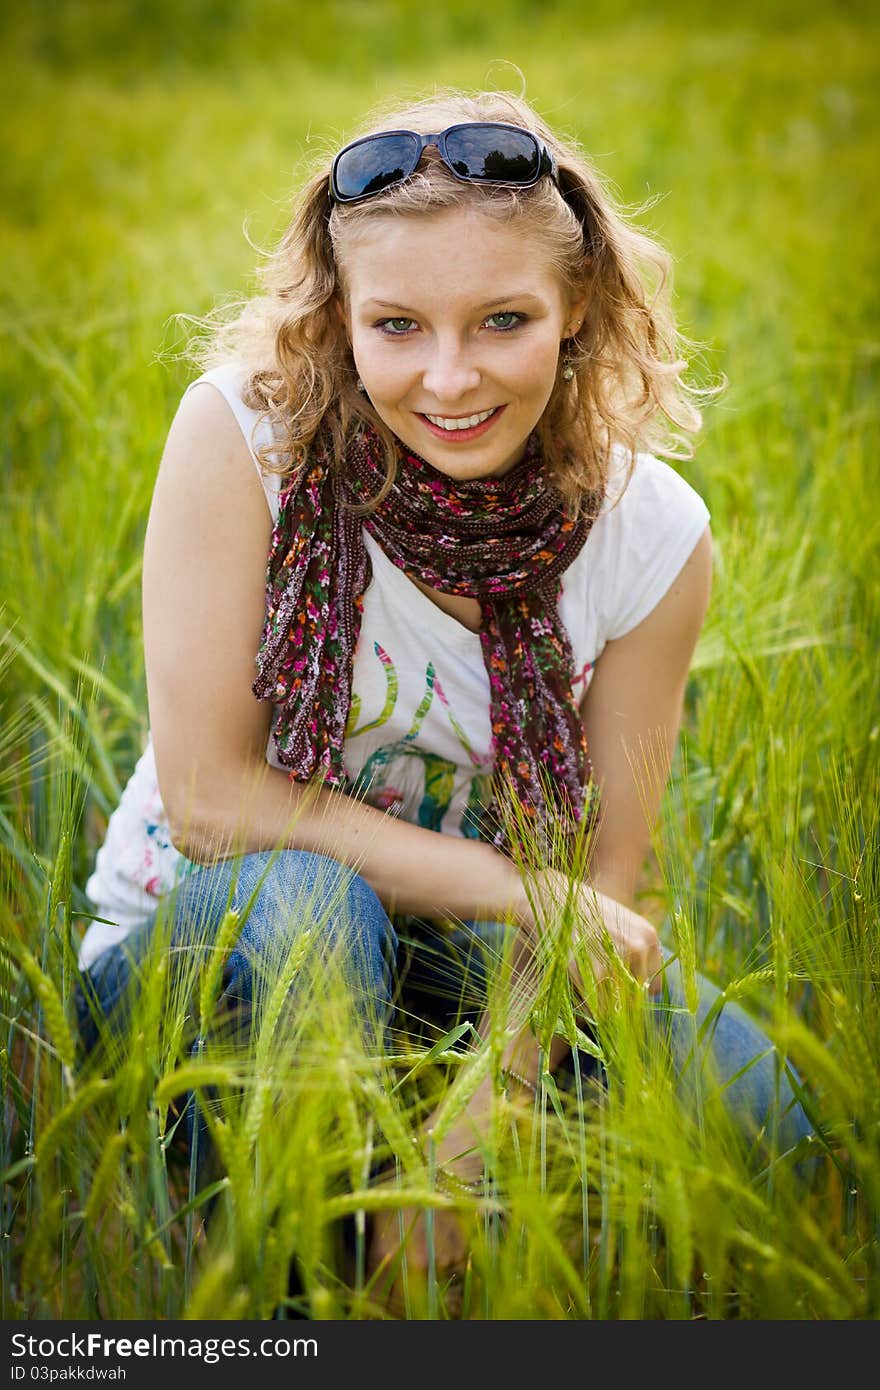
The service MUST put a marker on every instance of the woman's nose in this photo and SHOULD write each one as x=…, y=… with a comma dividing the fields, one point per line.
x=450, y=373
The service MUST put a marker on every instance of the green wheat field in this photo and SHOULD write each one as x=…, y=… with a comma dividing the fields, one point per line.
x=149, y=155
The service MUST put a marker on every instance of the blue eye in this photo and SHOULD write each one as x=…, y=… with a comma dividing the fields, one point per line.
x=396, y=328
x=513, y=320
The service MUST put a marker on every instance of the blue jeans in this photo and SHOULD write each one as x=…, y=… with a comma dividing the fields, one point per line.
x=435, y=975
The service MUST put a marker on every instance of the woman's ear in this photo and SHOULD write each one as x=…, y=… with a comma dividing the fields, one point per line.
x=576, y=313
x=342, y=312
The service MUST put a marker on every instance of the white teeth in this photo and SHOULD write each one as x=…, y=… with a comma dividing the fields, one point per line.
x=466, y=423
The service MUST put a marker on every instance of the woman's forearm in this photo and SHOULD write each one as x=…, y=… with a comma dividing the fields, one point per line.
x=412, y=869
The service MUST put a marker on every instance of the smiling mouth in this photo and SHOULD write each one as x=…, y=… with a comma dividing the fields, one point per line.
x=451, y=424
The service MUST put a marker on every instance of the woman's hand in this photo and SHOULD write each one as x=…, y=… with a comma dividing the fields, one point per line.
x=460, y=1160
x=386, y=1256
x=600, y=921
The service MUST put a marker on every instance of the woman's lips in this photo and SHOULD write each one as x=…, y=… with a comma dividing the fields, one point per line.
x=462, y=436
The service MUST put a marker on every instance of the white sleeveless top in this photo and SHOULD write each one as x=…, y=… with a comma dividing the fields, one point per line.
x=418, y=742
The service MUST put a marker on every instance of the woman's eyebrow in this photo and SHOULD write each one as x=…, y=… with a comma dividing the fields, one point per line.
x=489, y=304
x=518, y=295
x=383, y=304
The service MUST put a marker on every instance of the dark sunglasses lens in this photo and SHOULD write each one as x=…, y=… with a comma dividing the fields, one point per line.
x=375, y=164
x=498, y=156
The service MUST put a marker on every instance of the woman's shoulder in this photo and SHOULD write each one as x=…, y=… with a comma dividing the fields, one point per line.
x=229, y=380
x=640, y=484
x=648, y=526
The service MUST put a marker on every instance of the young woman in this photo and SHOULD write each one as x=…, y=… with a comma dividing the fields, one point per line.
x=458, y=565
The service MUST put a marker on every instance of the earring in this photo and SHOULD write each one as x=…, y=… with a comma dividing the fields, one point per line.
x=567, y=369
x=361, y=387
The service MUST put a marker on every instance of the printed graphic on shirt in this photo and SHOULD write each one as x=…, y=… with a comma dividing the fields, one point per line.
x=403, y=773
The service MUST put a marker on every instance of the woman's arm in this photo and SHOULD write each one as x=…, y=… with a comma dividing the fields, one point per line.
x=632, y=714
x=204, y=599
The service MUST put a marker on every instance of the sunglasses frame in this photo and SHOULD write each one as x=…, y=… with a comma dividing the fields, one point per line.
x=546, y=162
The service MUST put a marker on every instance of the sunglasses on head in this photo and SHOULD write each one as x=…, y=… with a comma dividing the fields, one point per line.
x=475, y=152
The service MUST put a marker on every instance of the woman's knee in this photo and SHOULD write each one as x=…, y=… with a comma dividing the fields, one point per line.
x=717, y=1045
x=276, y=894
x=294, y=899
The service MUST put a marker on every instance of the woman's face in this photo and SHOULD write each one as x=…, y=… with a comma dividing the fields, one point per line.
x=455, y=323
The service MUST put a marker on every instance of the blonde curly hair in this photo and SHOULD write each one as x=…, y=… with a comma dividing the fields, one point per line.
x=627, y=391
